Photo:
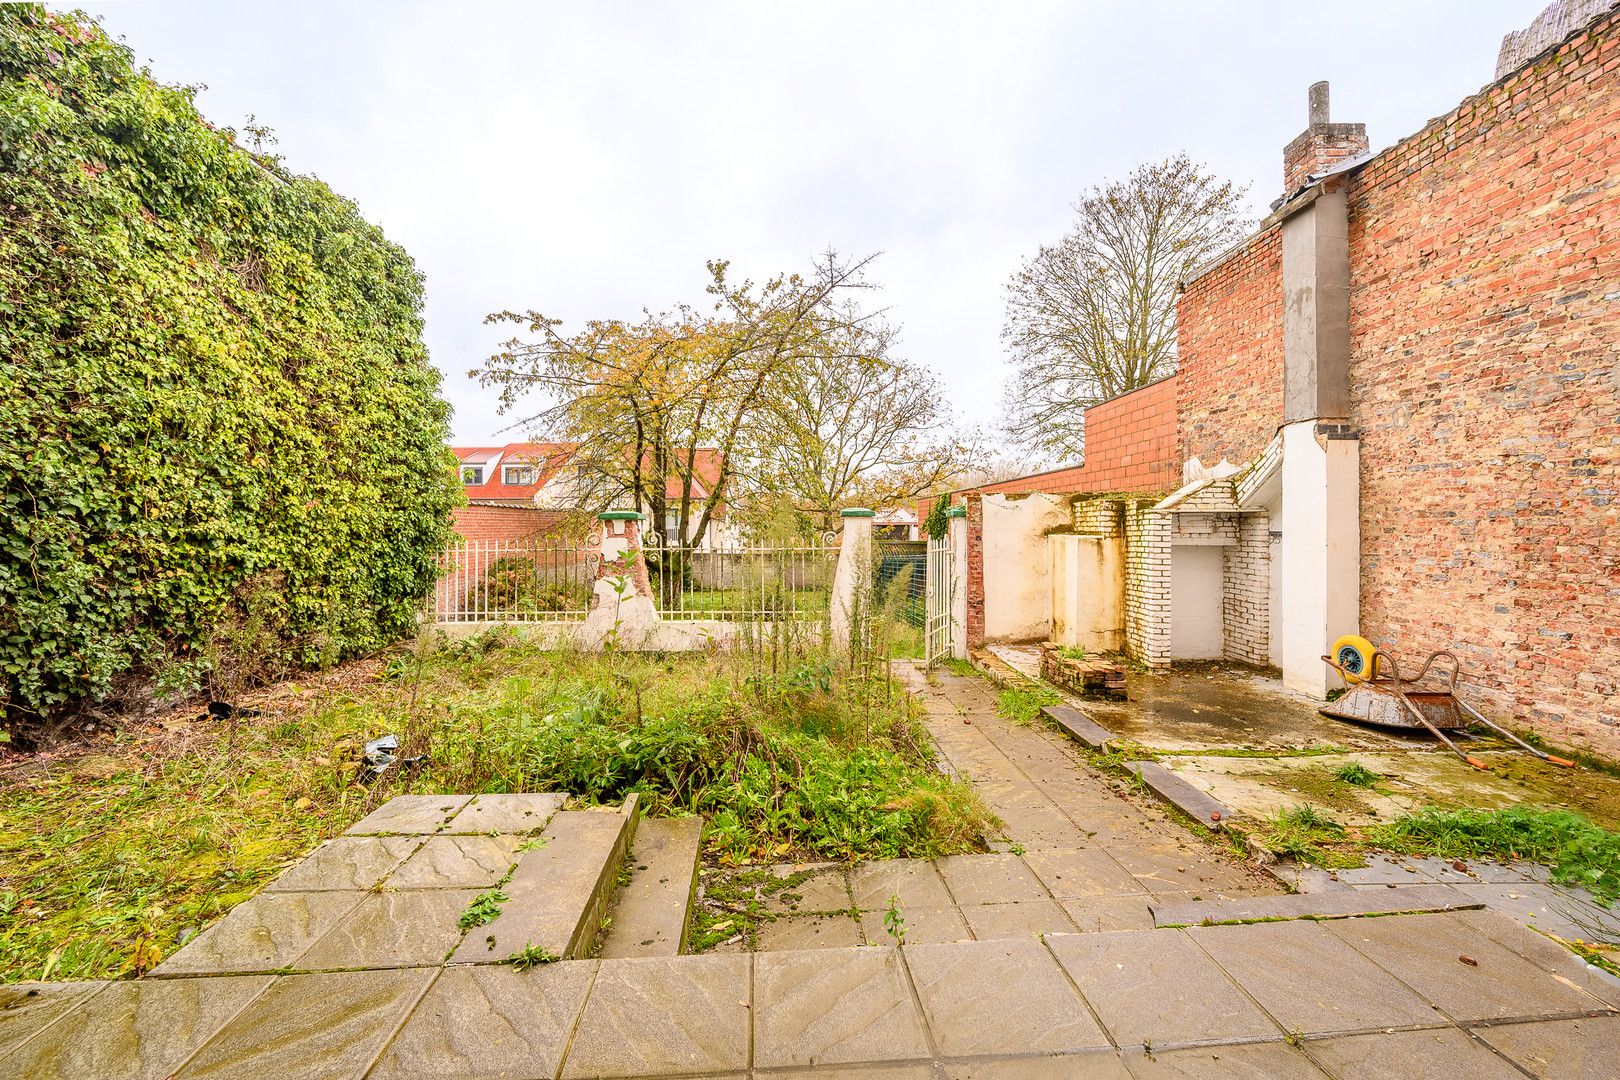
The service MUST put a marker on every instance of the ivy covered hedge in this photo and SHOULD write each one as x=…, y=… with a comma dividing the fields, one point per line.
x=221, y=441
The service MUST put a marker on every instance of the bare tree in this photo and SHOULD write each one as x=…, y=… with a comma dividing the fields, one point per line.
x=851, y=424
x=1093, y=316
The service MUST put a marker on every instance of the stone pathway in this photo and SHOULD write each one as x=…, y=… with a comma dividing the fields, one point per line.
x=1463, y=993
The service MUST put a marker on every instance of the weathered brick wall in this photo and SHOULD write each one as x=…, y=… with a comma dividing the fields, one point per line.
x=1229, y=342
x=1485, y=275
x=1246, y=591
x=975, y=570
x=1147, y=583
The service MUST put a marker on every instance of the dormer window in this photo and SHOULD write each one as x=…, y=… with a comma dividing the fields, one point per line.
x=517, y=475
x=472, y=475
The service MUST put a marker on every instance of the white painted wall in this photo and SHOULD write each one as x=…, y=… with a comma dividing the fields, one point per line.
x=1275, y=513
x=1320, y=580
x=1088, y=591
x=1017, y=568
x=1195, y=602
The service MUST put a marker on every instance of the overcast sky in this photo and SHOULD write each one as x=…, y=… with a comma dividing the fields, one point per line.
x=586, y=158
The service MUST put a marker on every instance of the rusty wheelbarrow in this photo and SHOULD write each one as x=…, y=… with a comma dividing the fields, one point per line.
x=1377, y=693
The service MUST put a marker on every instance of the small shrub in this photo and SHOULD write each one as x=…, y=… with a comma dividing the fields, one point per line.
x=1357, y=774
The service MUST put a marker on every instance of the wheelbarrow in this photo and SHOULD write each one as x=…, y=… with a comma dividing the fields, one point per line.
x=1377, y=693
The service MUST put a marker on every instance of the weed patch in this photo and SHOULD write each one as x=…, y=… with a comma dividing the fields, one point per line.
x=1022, y=704
x=1577, y=851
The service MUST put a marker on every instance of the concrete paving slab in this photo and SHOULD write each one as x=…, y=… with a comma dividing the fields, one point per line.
x=552, y=893
x=1547, y=955
x=826, y=888
x=328, y=1026
x=26, y=1008
x=1096, y=1065
x=457, y=862
x=916, y=882
x=1185, y=796
x=652, y=912
x=1079, y=727
x=1548, y=908
x=417, y=815
x=136, y=1030
x=788, y=932
x=1071, y=873
x=265, y=933
x=661, y=1016
x=1385, y=870
x=990, y=879
x=1339, y=904
x=1436, y=1054
x=815, y=1008
x=495, y=814
x=924, y=926
x=1100, y=914
x=999, y=997
x=346, y=862
x=1158, y=987
x=1025, y=918
x=481, y=1022
x=1255, y=1061
x=1283, y=967
x=1425, y=952
x=1576, y=1049
x=387, y=929
x=853, y=1072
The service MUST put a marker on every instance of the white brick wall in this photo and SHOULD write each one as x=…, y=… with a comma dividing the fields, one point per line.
x=1147, y=583
x=1246, y=600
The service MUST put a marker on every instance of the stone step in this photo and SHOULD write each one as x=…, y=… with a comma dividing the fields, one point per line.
x=1192, y=801
x=1335, y=904
x=560, y=890
x=1078, y=726
x=653, y=911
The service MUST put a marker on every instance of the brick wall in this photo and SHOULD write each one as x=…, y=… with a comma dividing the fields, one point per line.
x=1130, y=446
x=505, y=522
x=1485, y=270
x=975, y=571
x=1246, y=592
x=1147, y=583
x=1229, y=342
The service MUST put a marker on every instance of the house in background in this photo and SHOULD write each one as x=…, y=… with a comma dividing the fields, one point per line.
x=525, y=489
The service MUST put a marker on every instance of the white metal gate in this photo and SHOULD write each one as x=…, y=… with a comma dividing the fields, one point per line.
x=940, y=600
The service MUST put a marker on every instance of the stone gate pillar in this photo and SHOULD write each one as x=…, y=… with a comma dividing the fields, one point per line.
x=622, y=607
x=956, y=528
x=852, y=581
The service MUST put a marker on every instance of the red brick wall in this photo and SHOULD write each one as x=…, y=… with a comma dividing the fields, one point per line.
x=975, y=571
x=1229, y=343
x=504, y=522
x=1130, y=446
x=1485, y=267
x=1485, y=270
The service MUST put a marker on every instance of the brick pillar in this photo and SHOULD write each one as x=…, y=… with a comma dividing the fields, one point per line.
x=975, y=570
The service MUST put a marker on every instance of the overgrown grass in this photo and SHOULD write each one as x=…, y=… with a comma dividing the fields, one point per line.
x=1022, y=704
x=1305, y=833
x=1578, y=851
x=109, y=860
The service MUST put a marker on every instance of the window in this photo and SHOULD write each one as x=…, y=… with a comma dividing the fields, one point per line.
x=517, y=474
x=472, y=475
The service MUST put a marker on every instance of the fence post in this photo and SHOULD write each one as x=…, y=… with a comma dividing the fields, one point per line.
x=622, y=608
x=853, y=574
x=956, y=530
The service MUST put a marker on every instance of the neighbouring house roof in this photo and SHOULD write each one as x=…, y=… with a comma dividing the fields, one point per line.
x=544, y=458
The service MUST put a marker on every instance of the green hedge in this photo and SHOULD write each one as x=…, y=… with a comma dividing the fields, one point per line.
x=218, y=424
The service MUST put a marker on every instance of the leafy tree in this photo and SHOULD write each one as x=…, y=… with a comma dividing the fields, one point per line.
x=644, y=400
x=1093, y=316
x=850, y=424
x=222, y=446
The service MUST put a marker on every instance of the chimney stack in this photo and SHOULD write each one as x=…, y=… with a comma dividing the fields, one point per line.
x=1321, y=145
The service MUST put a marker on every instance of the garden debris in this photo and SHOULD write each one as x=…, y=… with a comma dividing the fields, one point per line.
x=224, y=710
x=383, y=752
